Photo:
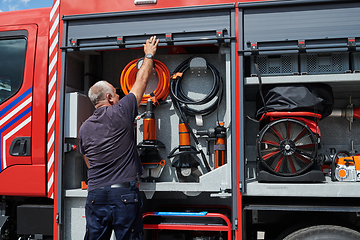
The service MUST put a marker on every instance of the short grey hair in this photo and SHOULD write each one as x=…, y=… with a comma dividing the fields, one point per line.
x=99, y=90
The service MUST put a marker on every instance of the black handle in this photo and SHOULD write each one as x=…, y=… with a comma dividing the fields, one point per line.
x=20, y=146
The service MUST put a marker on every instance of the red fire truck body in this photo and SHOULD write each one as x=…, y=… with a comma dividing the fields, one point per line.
x=276, y=73
x=25, y=113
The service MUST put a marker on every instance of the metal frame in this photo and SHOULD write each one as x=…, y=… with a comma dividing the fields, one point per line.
x=189, y=227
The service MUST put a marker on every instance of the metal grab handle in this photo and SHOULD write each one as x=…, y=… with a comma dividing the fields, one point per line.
x=20, y=146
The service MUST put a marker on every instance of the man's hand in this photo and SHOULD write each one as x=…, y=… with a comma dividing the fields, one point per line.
x=151, y=45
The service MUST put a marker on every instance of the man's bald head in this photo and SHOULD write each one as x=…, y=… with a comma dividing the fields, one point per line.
x=99, y=91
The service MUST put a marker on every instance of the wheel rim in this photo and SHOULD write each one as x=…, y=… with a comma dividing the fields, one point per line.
x=287, y=147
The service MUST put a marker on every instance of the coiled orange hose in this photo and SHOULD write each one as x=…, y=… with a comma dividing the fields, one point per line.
x=128, y=75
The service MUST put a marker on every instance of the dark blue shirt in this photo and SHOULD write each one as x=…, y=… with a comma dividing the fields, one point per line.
x=107, y=139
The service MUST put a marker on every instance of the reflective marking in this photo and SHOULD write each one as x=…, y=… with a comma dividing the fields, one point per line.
x=12, y=132
x=15, y=111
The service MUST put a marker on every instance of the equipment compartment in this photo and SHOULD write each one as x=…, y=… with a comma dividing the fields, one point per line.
x=107, y=46
x=334, y=134
x=320, y=54
x=197, y=83
x=339, y=134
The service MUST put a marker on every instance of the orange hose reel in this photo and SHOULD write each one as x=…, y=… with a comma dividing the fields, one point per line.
x=128, y=75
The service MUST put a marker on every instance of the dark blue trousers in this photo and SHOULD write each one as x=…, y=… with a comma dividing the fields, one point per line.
x=118, y=209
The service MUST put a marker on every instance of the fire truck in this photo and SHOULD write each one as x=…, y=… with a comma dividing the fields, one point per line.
x=248, y=128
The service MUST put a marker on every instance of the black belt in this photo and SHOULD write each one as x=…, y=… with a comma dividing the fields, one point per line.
x=121, y=185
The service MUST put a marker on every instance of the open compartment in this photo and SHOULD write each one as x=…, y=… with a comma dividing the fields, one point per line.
x=335, y=137
x=291, y=144
x=192, y=164
x=201, y=54
x=197, y=82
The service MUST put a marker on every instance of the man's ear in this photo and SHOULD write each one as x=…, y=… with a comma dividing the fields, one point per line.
x=109, y=98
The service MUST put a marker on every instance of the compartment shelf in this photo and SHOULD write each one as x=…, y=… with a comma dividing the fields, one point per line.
x=329, y=78
x=325, y=189
x=208, y=183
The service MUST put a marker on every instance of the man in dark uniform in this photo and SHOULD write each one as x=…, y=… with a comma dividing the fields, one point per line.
x=107, y=141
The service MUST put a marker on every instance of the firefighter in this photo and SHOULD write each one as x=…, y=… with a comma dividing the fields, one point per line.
x=107, y=141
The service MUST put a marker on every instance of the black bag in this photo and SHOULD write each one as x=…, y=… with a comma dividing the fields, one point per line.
x=312, y=97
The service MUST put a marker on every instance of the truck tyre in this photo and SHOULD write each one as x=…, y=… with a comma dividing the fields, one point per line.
x=324, y=232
